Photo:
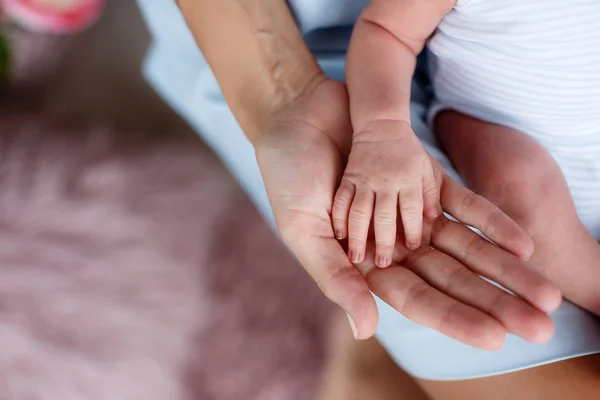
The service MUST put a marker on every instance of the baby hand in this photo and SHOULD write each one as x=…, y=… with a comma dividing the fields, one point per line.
x=388, y=170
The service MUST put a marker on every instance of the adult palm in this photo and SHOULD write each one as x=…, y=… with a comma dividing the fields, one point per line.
x=301, y=156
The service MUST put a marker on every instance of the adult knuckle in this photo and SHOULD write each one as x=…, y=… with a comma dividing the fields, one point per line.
x=497, y=301
x=440, y=226
x=491, y=221
x=447, y=318
x=473, y=247
x=502, y=271
x=412, y=298
x=467, y=204
x=457, y=279
x=416, y=257
x=347, y=278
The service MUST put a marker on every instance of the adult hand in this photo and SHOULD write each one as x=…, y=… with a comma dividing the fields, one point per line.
x=301, y=156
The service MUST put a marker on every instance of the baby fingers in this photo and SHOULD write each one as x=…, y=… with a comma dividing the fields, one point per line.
x=411, y=213
x=360, y=215
x=341, y=207
x=386, y=205
x=431, y=193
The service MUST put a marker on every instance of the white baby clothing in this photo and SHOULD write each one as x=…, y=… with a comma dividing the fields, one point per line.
x=531, y=65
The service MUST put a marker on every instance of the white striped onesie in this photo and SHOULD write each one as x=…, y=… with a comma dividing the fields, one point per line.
x=534, y=66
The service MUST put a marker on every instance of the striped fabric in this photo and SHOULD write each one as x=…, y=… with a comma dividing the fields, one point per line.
x=532, y=65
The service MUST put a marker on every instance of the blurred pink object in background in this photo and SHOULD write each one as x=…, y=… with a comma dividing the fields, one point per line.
x=53, y=16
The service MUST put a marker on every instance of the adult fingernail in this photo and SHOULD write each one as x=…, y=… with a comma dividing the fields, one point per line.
x=353, y=326
x=339, y=234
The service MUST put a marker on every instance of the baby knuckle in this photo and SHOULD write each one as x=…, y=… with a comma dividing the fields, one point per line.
x=337, y=220
x=384, y=220
x=475, y=246
x=385, y=246
x=491, y=222
x=430, y=189
x=359, y=216
x=414, y=294
x=358, y=180
x=410, y=213
x=341, y=201
x=468, y=201
x=356, y=240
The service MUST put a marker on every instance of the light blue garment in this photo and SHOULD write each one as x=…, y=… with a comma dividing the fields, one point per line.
x=176, y=69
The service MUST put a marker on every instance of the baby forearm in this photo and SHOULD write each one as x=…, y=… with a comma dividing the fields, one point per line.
x=382, y=56
x=379, y=74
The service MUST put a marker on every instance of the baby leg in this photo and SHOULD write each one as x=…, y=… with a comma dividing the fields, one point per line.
x=514, y=172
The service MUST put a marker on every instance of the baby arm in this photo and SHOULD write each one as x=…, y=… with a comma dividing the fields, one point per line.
x=515, y=173
x=388, y=170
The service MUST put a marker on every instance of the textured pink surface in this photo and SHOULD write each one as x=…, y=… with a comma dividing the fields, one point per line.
x=134, y=268
x=36, y=58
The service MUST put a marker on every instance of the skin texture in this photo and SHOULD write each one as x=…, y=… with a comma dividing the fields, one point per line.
x=519, y=176
x=277, y=66
x=514, y=172
x=300, y=124
x=388, y=172
x=301, y=196
x=386, y=158
x=284, y=116
x=359, y=370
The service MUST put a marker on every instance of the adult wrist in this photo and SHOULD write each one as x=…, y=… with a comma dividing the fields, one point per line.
x=280, y=100
x=257, y=54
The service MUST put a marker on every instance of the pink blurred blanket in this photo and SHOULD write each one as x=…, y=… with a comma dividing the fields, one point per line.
x=134, y=268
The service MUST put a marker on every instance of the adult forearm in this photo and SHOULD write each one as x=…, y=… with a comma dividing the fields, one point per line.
x=256, y=53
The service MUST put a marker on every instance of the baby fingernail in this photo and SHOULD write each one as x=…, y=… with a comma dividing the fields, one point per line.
x=351, y=255
x=339, y=234
x=412, y=245
x=382, y=261
x=354, y=256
